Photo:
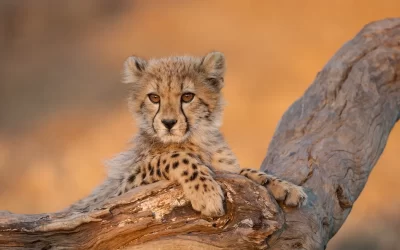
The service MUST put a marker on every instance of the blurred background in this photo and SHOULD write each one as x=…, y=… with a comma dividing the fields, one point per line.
x=63, y=110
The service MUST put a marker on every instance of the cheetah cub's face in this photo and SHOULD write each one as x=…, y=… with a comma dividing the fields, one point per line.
x=176, y=98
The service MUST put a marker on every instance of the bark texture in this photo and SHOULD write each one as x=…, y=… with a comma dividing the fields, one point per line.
x=328, y=141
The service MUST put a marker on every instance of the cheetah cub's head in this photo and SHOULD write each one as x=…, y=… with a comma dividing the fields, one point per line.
x=176, y=98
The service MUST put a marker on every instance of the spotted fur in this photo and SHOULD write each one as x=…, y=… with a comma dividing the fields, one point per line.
x=179, y=140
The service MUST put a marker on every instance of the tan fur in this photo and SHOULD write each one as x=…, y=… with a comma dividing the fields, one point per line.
x=193, y=148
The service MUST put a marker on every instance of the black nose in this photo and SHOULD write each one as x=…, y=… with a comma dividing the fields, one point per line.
x=168, y=123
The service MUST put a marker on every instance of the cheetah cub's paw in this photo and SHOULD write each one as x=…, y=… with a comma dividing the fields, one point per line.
x=206, y=197
x=291, y=194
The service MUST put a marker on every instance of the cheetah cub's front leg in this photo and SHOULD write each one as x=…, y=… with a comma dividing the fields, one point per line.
x=289, y=193
x=199, y=186
x=196, y=179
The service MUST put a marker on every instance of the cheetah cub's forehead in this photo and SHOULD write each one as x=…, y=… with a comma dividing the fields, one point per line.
x=173, y=72
x=175, y=98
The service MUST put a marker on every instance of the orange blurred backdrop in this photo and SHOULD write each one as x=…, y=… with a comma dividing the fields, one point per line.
x=63, y=110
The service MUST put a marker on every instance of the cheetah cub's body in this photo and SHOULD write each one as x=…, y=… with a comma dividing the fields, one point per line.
x=177, y=102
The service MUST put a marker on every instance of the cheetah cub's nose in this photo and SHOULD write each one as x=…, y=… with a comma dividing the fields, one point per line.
x=169, y=123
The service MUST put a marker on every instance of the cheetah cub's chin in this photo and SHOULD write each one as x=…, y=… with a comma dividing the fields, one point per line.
x=178, y=104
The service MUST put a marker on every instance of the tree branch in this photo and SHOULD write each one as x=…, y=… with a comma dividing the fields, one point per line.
x=152, y=215
x=328, y=141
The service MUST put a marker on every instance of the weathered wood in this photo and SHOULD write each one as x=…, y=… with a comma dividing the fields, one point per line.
x=328, y=141
x=152, y=215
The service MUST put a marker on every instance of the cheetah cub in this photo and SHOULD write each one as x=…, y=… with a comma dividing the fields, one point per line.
x=178, y=104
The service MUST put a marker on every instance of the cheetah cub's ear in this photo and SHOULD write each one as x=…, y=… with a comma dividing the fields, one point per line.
x=133, y=69
x=213, y=65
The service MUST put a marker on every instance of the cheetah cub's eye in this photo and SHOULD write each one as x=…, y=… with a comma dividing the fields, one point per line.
x=187, y=97
x=154, y=98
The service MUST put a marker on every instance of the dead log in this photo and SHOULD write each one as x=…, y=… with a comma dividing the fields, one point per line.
x=328, y=141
